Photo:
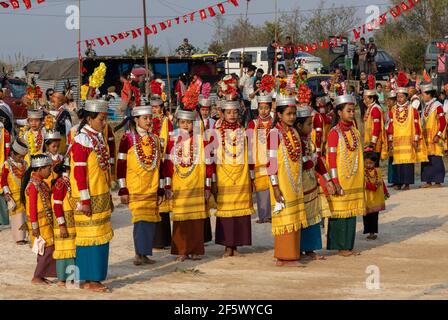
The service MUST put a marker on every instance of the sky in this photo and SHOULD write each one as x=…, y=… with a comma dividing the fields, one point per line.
x=40, y=33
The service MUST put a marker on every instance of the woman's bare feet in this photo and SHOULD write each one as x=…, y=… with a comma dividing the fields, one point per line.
x=437, y=185
x=397, y=187
x=426, y=185
x=285, y=263
x=181, y=258
x=40, y=281
x=195, y=257
x=348, y=253
x=60, y=283
x=313, y=255
x=138, y=260
x=406, y=187
x=146, y=260
x=236, y=253
x=228, y=252
x=95, y=286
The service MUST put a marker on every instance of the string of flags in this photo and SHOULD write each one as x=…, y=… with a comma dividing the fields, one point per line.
x=154, y=29
x=15, y=4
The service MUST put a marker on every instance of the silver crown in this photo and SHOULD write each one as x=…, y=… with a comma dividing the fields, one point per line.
x=325, y=99
x=286, y=101
x=204, y=102
x=346, y=98
x=230, y=105
x=427, y=87
x=156, y=101
x=402, y=90
x=52, y=135
x=19, y=149
x=35, y=114
x=185, y=115
x=141, y=111
x=42, y=160
x=97, y=106
x=303, y=112
x=370, y=92
x=264, y=99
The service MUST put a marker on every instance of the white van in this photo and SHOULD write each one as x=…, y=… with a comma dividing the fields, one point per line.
x=258, y=56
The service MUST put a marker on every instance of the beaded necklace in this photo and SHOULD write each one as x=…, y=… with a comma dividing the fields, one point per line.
x=267, y=128
x=100, y=148
x=16, y=171
x=146, y=161
x=236, y=142
x=191, y=161
x=348, y=152
x=401, y=119
x=294, y=147
x=369, y=177
x=44, y=193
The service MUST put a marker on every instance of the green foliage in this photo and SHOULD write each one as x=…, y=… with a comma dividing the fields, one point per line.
x=134, y=51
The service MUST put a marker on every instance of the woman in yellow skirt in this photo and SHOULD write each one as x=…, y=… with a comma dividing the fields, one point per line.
x=346, y=165
x=234, y=183
x=64, y=222
x=141, y=186
x=35, y=195
x=285, y=173
x=188, y=177
x=90, y=183
x=12, y=172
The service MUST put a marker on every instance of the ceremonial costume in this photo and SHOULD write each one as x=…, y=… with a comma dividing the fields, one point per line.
x=375, y=191
x=90, y=182
x=138, y=166
x=346, y=165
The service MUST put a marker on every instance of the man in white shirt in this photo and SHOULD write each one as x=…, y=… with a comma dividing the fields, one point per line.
x=415, y=99
x=247, y=86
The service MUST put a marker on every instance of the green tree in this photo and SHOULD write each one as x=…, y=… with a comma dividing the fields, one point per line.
x=134, y=51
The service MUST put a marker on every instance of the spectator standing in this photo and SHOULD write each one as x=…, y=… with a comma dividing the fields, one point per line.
x=372, y=51
x=362, y=55
x=442, y=71
x=90, y=52
x=289, y=52
x=185, y=49
x=247, y=86
x=272, y=47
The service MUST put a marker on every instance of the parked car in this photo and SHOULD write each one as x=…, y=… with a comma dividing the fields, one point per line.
x=17, y=89
x=257, y=56
x=431, y=54
x=313, y=82
x=309, y=62
x=384, y=62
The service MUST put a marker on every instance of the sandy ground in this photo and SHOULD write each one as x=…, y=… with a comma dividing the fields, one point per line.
x=410, y=253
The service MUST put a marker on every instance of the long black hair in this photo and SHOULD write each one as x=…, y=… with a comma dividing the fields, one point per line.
x=300, y=120
x=336, y=118
x=84, y=115
x=278, y=109
x=47, y=143
x=59, y=169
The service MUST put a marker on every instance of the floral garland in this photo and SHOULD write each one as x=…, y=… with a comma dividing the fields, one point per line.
x=191, y=97
x=267, y=128
x=146, y=162
x=35, y=145
x=267, y=84
x=227, y=86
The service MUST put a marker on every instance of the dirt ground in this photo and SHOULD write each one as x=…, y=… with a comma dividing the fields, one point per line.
x=410, y=254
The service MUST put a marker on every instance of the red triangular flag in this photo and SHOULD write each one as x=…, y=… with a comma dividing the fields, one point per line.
x=192, y=16
x=406, y=7
x=356, y=33
x=162, y=25
x=177, y=20
x=125, y=34
x=40, y=1
x=185, y=19
x=154, y=29
x=202, y=14
x=426, y=76
x=100, y=41
x=395, y=12
x=107, y=40
x=211, y=11
x=139, y=31
x=4, y=4
x=121, y=36
x=15, y=4
x=92, y=42
x=134, y=34
x=27, y=4
x=324, y=44
x=234, y=2
x=221, y=8
x=148, y=31
x=168, y=23
x=114, y=38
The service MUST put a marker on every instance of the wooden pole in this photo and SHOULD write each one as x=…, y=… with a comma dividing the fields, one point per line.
x=169, y=82
x=242, y=53
x=146, y=52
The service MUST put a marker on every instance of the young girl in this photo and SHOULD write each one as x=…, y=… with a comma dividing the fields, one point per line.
x=34, y=135
x=5, y=140
x=234, y=191
x=311, y=239
x=11, y=179
x=391, y=102
x=141, y=186
x=51, y=148
x=285, y=171
x=345, y=161
x=90, y=183
x=375, y=192
x=162, y=128
x=188, y=179
x=64, y=222
x=35, y=195
x=260, y=128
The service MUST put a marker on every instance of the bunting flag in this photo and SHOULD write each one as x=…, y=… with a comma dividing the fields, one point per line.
x=15, y=4
x=153, y=29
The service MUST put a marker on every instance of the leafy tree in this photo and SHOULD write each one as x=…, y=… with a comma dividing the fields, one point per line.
x=134, y=51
